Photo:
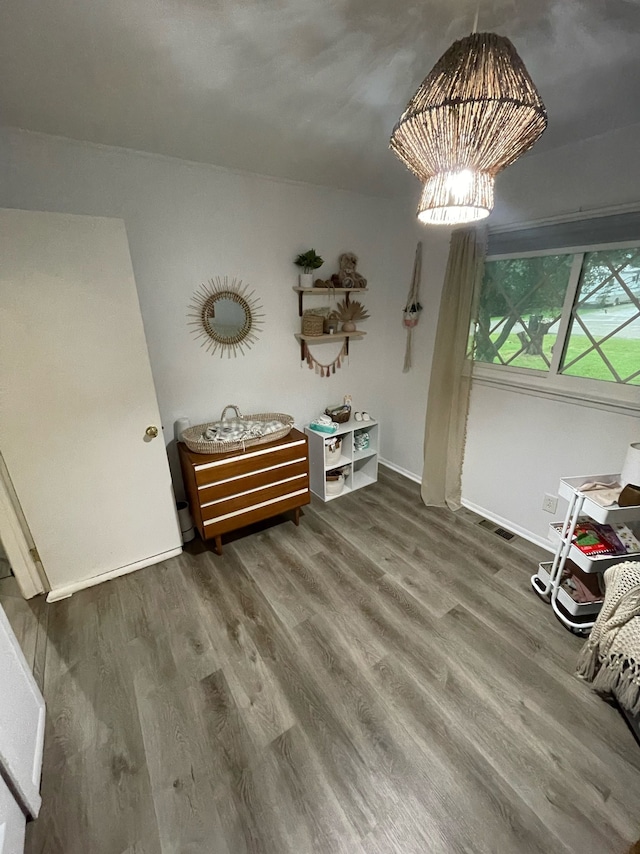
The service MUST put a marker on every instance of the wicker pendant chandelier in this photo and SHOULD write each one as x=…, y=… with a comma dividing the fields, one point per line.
x=475, y=113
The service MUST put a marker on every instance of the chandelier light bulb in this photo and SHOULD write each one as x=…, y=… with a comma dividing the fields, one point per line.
x=459, y=184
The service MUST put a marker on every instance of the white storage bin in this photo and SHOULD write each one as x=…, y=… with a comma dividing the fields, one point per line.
x=567, y=602
x=332, y=450
x=335, y=487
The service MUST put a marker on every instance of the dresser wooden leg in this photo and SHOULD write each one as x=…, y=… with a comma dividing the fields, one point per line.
x=297, y=516
x=218, y=548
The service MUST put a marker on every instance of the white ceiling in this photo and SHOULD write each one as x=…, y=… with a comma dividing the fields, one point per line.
x=303, y=89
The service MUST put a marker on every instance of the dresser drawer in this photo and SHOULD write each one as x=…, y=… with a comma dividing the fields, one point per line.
x=256, y=512
x=259, y=457
x=245, y=500
x=247, y=483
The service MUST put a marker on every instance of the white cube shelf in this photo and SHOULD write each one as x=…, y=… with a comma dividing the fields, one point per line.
x=364, y=464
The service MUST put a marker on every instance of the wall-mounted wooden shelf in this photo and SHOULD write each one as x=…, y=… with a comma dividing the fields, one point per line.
x=324, y=339
x=304, y=340
x=324, y=292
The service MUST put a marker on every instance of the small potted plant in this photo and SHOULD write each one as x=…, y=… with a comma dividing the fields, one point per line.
x=411, y=314
x=308, y=262
x=349, y=313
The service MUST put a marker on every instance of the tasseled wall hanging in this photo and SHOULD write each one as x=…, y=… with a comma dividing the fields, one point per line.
x=325, y=370
x=411, y=311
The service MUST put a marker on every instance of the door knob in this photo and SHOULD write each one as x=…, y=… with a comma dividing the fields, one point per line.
x=151, y=432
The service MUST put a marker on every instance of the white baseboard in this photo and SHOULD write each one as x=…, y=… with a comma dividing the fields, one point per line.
x=69, y=589
x=509, y=525
x=414, y=477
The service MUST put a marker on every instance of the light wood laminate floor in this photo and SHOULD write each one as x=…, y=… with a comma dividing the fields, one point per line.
x=380, y=680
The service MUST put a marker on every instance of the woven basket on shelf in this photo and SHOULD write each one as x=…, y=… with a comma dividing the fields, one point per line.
x=312, y=324
x=339, y=414
x=192, y=436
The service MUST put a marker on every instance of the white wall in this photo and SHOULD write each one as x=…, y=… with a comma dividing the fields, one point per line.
x=600, y=172
x=188, y=222
x=519, y=446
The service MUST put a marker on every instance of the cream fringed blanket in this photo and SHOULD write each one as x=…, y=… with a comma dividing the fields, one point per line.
x=610, y=659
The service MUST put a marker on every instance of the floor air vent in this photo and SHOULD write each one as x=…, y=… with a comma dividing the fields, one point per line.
x=496, y=529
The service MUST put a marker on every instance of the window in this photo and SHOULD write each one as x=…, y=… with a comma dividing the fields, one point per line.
x=564, y=321
x=604, y=336
x=519, y=310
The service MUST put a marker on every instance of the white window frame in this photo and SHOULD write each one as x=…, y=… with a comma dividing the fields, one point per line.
x=598, y=394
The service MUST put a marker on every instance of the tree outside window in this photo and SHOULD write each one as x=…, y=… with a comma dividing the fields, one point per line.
x=520, y=314
x=519, y=309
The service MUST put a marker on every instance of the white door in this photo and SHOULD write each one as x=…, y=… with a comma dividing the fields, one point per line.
x=76, y=397
x=22, y=716
x=12, y=822
x=21, y=721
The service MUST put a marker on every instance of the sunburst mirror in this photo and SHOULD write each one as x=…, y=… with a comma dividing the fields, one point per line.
x=227, y=315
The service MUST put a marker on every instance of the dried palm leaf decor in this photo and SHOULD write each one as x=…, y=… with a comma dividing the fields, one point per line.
x=475, y=113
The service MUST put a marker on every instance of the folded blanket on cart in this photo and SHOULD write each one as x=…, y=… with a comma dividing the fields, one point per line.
x=610, y=659
x=240, y=431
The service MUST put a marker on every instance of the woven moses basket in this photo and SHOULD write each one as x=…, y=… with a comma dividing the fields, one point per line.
x=192, y=436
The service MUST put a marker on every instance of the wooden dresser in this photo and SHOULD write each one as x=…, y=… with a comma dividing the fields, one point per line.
x=229, y=491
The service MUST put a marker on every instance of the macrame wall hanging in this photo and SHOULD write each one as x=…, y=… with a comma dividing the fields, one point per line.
x=411, y=311
x=325, y=370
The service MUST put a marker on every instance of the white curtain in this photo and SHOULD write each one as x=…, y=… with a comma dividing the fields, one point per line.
x=450, y=385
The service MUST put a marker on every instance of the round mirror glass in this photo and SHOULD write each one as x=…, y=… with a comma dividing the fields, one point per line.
x=226, y=318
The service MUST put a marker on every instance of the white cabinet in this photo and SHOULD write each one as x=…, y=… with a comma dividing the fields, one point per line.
x=360, y=464
x=547, y=582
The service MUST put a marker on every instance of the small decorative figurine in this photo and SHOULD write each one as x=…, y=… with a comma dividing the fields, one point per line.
x=348, y=275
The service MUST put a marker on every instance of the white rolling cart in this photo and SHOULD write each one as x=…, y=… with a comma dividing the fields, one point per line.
x=579, y=618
